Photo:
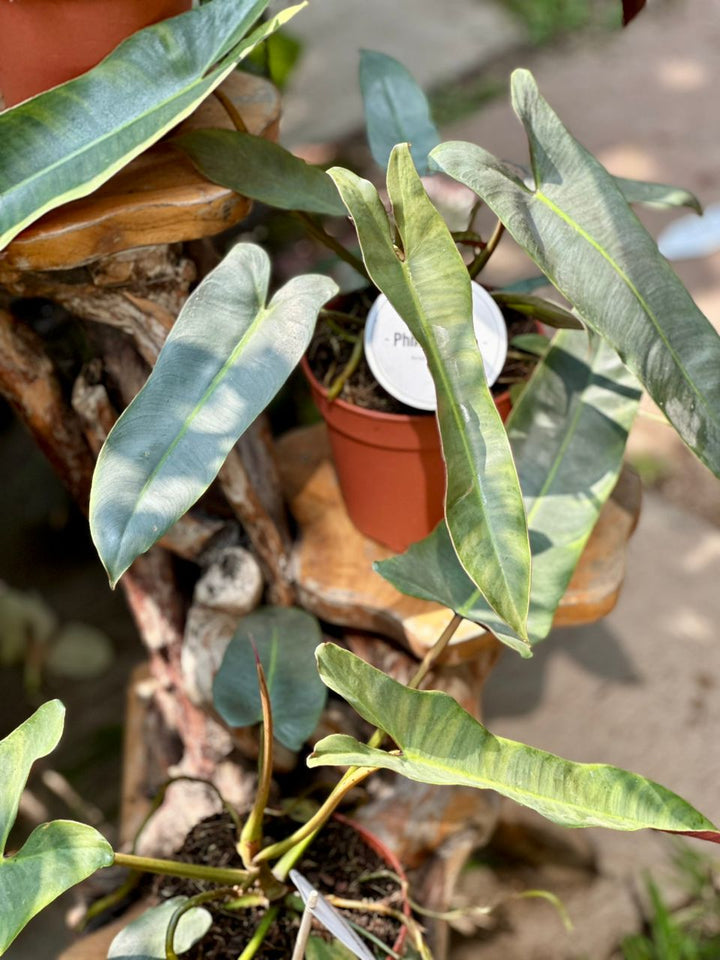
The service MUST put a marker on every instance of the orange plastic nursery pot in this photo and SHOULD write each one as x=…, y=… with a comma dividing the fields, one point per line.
x=45, y=42
x=389, y=467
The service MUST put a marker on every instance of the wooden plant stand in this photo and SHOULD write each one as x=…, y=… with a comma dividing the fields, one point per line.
x=332, y=561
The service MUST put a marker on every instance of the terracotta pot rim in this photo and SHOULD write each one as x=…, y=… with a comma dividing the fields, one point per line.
x=377, y=415
x=375, y=843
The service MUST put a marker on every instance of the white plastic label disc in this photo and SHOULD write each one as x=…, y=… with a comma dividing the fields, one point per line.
x=398, y=363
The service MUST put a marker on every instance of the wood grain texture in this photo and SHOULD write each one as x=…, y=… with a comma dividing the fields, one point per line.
x=332, y=562
x=29, y=383
x=158, y=198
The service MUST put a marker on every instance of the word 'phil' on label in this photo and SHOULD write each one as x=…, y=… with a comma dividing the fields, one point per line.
x=398, y=363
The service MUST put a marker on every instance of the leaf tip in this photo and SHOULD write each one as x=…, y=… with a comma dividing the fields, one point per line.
x=523, y=90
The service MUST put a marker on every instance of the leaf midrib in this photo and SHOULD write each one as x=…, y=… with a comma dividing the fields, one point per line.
x=430, y=761
x=69, y=158
x=262, y=315
x=439, y=366
x=631, y=286
x=546, y=485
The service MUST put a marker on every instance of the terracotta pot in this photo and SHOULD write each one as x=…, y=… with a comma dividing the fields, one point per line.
x=386, y=854
x=45, y=42
x=389, y=466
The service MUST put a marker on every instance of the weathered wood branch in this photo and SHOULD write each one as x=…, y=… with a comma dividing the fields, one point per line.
x=157, y=608
x=265, y=537
x=139, y=292
x=29, y=383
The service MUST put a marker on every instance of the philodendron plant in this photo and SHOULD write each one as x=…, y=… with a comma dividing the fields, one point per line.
x=521, y=499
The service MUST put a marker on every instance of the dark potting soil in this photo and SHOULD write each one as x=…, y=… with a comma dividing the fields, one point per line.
x=337, y=863
x=331, y=348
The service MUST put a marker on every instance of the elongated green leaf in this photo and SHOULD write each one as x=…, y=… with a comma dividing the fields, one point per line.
x=526, y=285
x=226, y=357
x=144, y=938
x=265, y=171
x=658, y=195
x=568, y=435
x=438, y=742
x=64, y=143
x=542, y=310
x=429, y=287
x=577, y=226
x=56, y=855
x=285, y=639
x=396, y=109
x=535, y=343
x=36, y=737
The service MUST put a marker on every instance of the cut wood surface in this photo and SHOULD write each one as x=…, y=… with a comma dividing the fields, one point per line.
x=332, y=561
x=158, y=198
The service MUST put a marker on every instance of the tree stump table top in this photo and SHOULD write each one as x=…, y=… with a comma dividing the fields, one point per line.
x=158, y=198
x=332, y=561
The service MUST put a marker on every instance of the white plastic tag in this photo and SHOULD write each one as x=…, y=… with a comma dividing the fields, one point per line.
x=398, y=362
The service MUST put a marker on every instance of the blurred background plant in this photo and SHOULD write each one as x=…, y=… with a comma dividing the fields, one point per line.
x=691, y=929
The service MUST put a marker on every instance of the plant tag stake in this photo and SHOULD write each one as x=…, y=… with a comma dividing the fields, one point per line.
x=398, y=362
x=329, y=917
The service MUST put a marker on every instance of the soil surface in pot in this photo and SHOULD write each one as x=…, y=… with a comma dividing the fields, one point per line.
x=333, y=341
x=339, y=862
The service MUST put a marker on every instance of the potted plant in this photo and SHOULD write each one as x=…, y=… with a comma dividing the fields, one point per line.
x=43, y=43
x=255, y=912
x=519, y=497
x=385, y=442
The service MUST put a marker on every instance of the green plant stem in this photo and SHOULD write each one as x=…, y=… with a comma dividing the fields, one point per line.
x=251, y=833
x=321, y=234
x=351, y=778
x=247, y=901
x=435, y=652
x=469, y=237
x=482, y=258
x=474, y=212
x=341, y=317
x=255, y=942
x=193, y=871
x=364, y=932
x=183, y=908
x=347, y=371
x=117, y=895
x=339, y=332
x=426, y=665
x=231, y=110
x=290, y=859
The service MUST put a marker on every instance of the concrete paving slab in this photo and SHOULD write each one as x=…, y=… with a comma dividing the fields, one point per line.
x=643, y=100
x=638, y=690
x=437, y=41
